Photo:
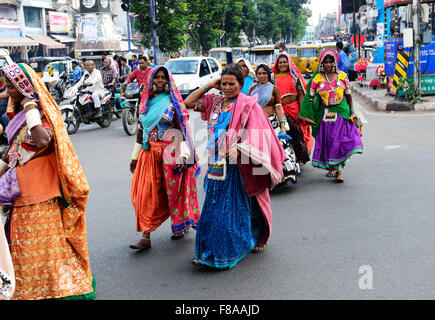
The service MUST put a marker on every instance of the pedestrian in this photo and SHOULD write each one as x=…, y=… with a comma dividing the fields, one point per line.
x=44, y=193
x=269, y=98
x=113, y=64
x=134, y=63
x=279, y=47
x=328, y=106
x=292, y=86
x=343, y=64
x=205, y=53
x=353, y=59
x=245, y=54
x=248, y=74
x=164, y=170
x=125, y=70
x=236, y=217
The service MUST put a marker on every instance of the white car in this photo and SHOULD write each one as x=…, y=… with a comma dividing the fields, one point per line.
x=191, y=73
x=5, y=59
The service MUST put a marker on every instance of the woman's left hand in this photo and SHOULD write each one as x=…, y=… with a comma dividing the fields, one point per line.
x=182, y=166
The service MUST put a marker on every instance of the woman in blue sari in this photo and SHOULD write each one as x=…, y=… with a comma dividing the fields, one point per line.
x=248, y=74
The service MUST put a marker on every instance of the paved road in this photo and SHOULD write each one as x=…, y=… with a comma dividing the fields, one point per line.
x=381, y=217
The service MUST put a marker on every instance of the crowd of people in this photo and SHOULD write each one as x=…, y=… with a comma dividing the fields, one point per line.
x=262, y=126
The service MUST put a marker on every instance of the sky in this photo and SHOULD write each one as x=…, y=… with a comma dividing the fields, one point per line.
x=323, y=7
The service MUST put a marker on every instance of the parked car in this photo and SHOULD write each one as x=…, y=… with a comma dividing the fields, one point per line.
x=191, y=73
x=5, y=59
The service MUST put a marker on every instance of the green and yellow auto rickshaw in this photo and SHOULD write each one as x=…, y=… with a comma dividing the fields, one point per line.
x=223, y=54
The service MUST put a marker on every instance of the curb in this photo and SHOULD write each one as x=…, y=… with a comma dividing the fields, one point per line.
x=377, y=103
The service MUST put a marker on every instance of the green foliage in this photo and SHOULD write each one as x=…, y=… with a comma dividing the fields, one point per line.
x=201, y=23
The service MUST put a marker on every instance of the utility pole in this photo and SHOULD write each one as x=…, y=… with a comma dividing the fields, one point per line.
x=416, y=18
x=154, y=24
x=128, y=30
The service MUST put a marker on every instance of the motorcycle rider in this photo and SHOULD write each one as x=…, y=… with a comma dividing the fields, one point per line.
x=94, y=83
x=139, y=74
x=77, y=72
x=108, y=74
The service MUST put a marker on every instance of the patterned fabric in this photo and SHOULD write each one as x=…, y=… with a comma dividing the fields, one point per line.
x=19, y=78
x=333, y=92
x=336, y=142
x=180, y=111
x=108, y=75
x=159, y=191
x=65, y=224
x=224, y=233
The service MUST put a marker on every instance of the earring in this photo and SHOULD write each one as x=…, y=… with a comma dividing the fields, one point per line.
x=153, y=88
x=321, y=69
x=167, y=88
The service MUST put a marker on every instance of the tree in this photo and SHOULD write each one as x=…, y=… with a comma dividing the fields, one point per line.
x=172, y=16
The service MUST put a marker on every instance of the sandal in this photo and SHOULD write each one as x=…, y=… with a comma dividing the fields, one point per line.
x=176, y=236
x=144, y=243
x=196, y=262
x=339, y=177
x=331, y=173
x=257, y=249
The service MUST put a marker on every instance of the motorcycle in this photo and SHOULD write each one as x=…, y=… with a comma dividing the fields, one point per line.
x=61, y=86
x=127, y=103
x=81, y=109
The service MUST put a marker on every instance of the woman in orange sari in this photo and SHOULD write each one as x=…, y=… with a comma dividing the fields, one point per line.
x=292, y=87
x=44, y=193
x=164, y=163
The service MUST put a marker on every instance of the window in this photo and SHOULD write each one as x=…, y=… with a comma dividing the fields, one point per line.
x=219, y=55
x=8, y=13
x=204, y=69
x=265, y=57
x=32, y=17
x=292, y=51
x=308, y=52
x=182, y=66
x=213, y=65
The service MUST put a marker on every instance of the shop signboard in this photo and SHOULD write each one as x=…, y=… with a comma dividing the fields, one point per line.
x=390, y=3
x=96, y=33
x=59, y=22
x=427, y=57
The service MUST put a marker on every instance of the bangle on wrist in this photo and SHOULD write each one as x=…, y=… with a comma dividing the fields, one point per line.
x=33, y=118
x=205, y=89
x=136, y=151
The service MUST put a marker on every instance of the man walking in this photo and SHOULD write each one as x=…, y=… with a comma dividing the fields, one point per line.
x=343, y=61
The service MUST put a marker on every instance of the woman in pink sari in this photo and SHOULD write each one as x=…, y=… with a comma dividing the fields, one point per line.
x=245, y=161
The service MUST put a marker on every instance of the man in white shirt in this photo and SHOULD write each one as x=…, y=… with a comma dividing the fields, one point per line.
x=94, y=82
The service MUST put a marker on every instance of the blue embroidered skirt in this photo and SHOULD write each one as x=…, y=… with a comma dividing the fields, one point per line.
x=230, y=223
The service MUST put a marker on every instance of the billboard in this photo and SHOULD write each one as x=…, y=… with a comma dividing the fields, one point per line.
x=96, y=33
x=59, y=22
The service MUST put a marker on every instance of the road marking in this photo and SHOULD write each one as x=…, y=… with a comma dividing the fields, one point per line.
x=395, y=146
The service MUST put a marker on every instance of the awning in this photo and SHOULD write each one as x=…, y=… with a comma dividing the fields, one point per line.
x=124, y=46
x=17, y=42
x=47, y=41
x=63, y=39
x=10, y=2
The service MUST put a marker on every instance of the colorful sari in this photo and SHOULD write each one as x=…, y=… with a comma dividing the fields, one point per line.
x=46, y=222
x=325, y=108
x=159, y=190
x=289, y=83
x=236, y=215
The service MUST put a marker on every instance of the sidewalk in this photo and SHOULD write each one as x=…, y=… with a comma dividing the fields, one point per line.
x=382, y=101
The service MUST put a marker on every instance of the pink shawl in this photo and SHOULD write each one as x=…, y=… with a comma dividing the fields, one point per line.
x=251, y=132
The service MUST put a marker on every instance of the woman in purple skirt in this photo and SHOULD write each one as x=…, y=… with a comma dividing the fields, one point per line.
x=328, y=107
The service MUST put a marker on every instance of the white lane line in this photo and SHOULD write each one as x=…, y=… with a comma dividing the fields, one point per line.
x=392, y=147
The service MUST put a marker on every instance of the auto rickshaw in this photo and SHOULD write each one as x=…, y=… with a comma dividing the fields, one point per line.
x=237, y=52
x=263, y=54
x=292, y=50
x=224, y=55
x=308, y=59
x=38, y=63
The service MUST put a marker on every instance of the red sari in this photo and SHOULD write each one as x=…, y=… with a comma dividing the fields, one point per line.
x=287, y=83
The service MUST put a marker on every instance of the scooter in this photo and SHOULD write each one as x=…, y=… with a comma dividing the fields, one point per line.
x=127, y=102
x=82, y=109
x=61, y=86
